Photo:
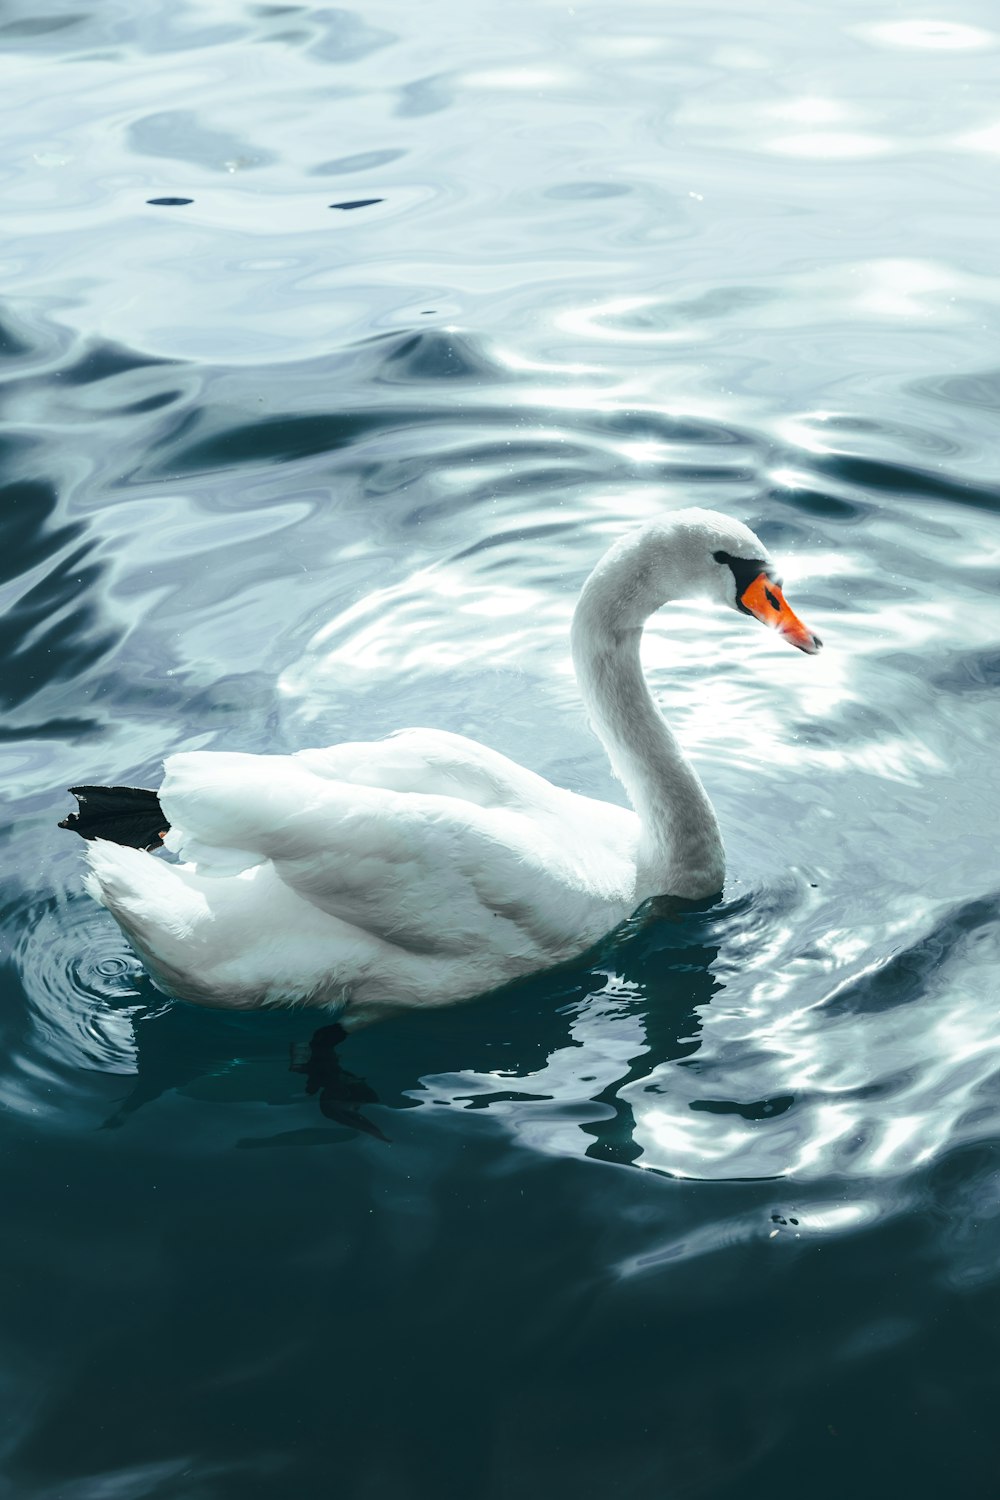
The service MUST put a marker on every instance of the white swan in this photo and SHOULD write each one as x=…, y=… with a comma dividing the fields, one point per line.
x=426, y=868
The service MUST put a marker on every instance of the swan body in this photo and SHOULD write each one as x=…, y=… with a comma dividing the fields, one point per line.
x=426, y=868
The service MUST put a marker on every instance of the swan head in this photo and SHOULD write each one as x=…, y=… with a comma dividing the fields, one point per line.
x=720, y=558
x=744, y=577
x=691, y=554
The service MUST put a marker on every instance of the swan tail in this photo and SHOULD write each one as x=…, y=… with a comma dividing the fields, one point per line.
x=158, y=910
x=126, y=815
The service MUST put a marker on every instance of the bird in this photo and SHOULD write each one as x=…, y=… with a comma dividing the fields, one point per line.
x=426, y=868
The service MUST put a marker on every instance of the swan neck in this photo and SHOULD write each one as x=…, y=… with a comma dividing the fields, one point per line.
x=680, y=848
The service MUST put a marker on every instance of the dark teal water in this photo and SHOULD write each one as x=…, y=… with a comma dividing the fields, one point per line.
x=327, y=450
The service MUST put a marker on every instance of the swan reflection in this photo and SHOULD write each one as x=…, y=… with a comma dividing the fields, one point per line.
x=752, y=1039
x=550, y=1058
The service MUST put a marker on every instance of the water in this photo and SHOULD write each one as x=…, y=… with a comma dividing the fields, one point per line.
x=336, y=345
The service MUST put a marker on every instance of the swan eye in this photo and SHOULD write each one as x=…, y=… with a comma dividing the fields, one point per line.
x=745, y=571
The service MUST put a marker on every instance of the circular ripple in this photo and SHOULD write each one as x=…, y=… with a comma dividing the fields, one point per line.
x=82, y=985
x=108, y=967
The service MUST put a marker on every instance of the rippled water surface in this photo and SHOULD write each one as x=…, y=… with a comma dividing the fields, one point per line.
x=336, y=344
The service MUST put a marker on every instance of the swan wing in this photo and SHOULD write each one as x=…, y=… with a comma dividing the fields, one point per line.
x=438, y=762
x=428, y=872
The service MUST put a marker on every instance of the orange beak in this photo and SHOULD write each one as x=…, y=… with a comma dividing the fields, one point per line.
x=764, y=600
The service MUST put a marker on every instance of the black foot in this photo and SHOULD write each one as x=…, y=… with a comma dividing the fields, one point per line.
x=340, y=1092
x=128, y=815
